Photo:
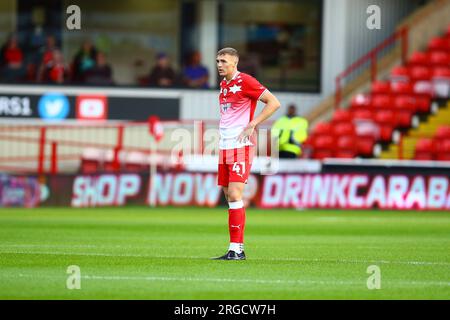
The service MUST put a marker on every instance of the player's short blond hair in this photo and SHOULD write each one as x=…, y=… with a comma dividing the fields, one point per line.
x=230, y=51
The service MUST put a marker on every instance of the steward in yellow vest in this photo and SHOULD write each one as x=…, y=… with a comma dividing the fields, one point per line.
x=291, y=131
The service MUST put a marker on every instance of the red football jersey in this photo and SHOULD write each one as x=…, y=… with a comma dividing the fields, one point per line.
x=238, y=98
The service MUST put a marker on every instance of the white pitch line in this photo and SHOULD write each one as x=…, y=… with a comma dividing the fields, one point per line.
x=234, y=280
x=356, y=261
x=177, y=246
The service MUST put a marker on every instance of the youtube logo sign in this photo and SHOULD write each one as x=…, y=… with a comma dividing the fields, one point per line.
x=91, y=107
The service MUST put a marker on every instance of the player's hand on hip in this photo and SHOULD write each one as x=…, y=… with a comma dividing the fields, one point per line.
x=246, y=133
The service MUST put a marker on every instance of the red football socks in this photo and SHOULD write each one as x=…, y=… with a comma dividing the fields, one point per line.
x=236, y=221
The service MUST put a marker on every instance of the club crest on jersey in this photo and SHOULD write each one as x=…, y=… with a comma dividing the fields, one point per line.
x=225, y=92
x=225, y=106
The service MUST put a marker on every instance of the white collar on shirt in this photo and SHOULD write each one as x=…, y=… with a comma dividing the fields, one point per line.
x=232, y=78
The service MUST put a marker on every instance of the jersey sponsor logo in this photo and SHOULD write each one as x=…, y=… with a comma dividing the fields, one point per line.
x=225, y=106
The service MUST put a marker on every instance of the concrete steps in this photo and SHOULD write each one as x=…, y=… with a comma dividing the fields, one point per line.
x=424, y=130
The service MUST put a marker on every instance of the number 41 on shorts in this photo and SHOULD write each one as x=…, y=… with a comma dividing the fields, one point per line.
x=237, y=168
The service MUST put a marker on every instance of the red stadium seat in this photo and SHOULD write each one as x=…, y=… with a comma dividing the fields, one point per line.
x=439, y=44
x=381, y=87
x=441, y=82
x=344, y=129
x=367, y=128
x=444, y=146
x=365, y=145
x=418, y=59
x=346, y=147
x=363, y=114
x=419, y=73
x=405, y=102
x=387, y=121
x=424, y=149
x=341, y=116
x=324, y=142
x=308, y=147
x=424, y=144
x=322, y=154
x=309, y=140
x=443, y=72
x=360, y=101
x=323, y=146
x=423, y=103
x=382, y=101
x=386, y=133
x=443, y=152
x=404, y=108
x=443, y=156
x=322, y=128
x=439, y=59
x=421, y=77
x=442, y=132
x=386, y=117
x=399, y=74
x=423, y=156
x=402, y=88
x=404, y=118
x=345, y=154
x=346, y=142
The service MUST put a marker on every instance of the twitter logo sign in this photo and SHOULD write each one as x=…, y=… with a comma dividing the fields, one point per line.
x=53, y=106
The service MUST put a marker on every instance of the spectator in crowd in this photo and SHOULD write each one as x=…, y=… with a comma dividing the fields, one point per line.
x=47, y=56
x=195, y=75
x=13, y=54
x=35, y=44
x=49, y=49
x=101, y=73
x=162, y=74
x=55, y=70
x=84, y=60
x=291, y=131
x=13, y=61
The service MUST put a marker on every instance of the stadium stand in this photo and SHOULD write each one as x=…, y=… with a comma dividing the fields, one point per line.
x=429, y=141
x=403, y=103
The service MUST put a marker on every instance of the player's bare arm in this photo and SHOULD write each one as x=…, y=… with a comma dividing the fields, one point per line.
x=272, y=105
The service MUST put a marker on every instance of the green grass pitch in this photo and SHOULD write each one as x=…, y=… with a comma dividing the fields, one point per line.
x=163, y=253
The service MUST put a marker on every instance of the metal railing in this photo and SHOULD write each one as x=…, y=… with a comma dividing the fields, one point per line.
x=372, y=56
x=53, y=148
